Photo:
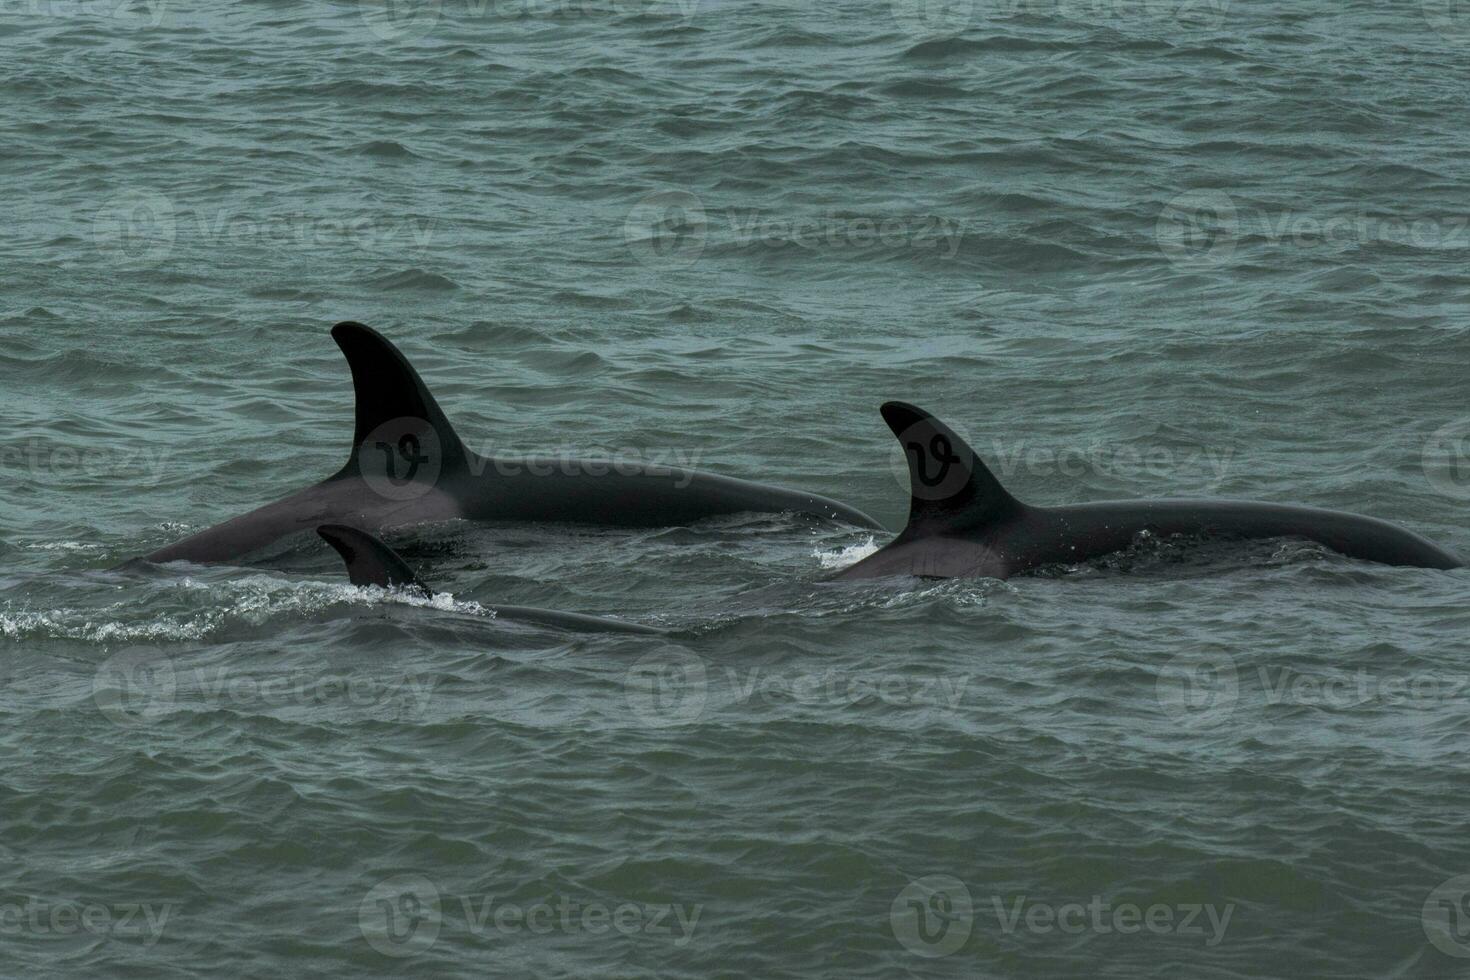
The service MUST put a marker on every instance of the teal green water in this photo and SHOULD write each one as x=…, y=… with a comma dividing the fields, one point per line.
x=1126, y=248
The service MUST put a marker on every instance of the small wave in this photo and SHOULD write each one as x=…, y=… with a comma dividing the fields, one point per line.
x=790, y=37
x=920, y=88
x=360, y=89
x=285, y=293
x=498, y=335
x=805, y=101
x=414, y=279
x=385, y=150
x=968, y=47
x=939, y=49
x=591, y=301
x=38, y=313
x=67, y=365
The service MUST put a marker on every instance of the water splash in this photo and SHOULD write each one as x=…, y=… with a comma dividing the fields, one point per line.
x=845, y=556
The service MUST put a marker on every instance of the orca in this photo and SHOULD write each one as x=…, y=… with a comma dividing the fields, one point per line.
x=408, y=466
x=371, y=562
x=963, y=524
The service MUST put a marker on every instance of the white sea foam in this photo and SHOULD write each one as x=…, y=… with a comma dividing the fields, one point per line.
x=253, y=599
x=92, y=625
x=842, y=557
x=67, y=546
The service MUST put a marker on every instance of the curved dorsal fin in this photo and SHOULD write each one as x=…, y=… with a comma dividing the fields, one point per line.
x=949, y=486
x=370, y=561
x=393, y=400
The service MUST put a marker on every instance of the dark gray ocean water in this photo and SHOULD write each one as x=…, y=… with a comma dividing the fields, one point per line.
x=1128, y=248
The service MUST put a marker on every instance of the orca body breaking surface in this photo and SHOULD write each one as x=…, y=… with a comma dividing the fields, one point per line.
x=964, y=524
x=408, y=466
x=371, y=562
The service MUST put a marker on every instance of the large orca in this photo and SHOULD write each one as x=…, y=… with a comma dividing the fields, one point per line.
x=408, y=466
x=963, y=523
x=371, y=562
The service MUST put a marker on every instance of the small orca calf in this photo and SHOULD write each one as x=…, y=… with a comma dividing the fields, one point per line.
x=371, y=562
x=963, y=523
x=408, y=466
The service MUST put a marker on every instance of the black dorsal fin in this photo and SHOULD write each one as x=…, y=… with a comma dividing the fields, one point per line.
x=949, y=486
x=394, y=405
x=370, y=561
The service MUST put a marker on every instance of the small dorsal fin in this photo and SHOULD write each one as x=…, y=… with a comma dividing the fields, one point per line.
x=370, y=561
x=949, y=486
x=393, y=404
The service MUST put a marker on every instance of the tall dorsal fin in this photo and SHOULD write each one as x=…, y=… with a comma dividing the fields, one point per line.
x=393, y=403
x=370, y=561
x=949, y=486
